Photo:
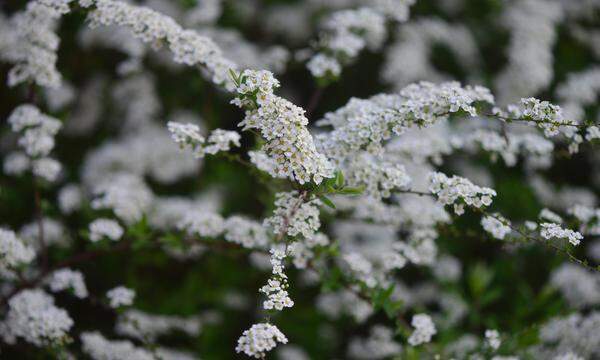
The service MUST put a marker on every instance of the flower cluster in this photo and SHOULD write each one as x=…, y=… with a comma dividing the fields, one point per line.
x=276, y=288
x=492, y=338
x=187, y=46
x=347, y=32
x=424, y=329
x=378, y=178
x=459, y=191
x=120, y=296
x=546, y=116
x=105, y=228
x=37, y=140
x=248, y=233
x=13, y=252
x=67, y=279
x=295, y=215
x=496, y=225
x=532, y=27
x=188, y=135
x=33, y=45
x=148, y=327
x=554, y=231
x=98, y=347
x=127, y=195
x=283, y=125
x=259, y=339
x=379, y=345
x=33, y=317
x=365, y=124
x=202, y=223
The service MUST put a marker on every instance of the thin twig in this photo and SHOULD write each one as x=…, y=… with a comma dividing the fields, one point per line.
x=39, y=214
x=313, y=102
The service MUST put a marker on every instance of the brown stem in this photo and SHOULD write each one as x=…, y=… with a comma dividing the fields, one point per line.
x=314, y=101
x=40, y=224
x=75, y=259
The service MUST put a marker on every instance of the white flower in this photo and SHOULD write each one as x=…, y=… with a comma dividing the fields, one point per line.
x=551, y=216
x=33, y=316
x=120, y=296
x=550, y=230
x=283, y=125
x=579, y=286
x=366, y=124
x=38, y=129
x=492, y=338
x=185, y=133
x=248, y=233
x=260, y=339
x=188, y=135
x=456, y=190
x=13, y=252
x=496, y=225
x=126, y=194
x=379, y=345
x=105, y=228
x=276, y=288
x=99, y=348
x=70, y=198
x=67, y=279
x=35, y=45
x=148, y=327
x=322, y=65
x=294, y=215
x=424, y=329
x=203, y=223
x=16, y=163
x=47, y=169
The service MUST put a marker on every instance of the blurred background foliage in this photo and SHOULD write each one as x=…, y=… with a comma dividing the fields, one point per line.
x=505, y=288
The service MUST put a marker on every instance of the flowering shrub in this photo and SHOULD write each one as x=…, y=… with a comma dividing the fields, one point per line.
x=364, y=179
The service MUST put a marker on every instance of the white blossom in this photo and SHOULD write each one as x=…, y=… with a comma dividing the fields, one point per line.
x=99, y=348
x=492, y=338
x=105, y=228
x=379, y=345
x=70, y=198
x=260, y=339
x=47, y=169
x=458, y=191
x=202, y=223
x=148, y=327
x=283, y=125
x=551, y=230
x=33, y=317
x=34, y=46
x=188, y=135
x=277, y=285
x=424, y=330
x=322, y=65
x=120, y=296
x=13, y=252
x=246, y=232
x=496, y=225
x=127, y=195
x=67, y=279
x=294, y=215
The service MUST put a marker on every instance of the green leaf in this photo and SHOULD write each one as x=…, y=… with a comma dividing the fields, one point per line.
x=352, y=190
x=327, y=201
x=339, y=179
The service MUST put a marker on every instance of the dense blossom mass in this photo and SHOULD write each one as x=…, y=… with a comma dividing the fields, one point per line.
x=361, y=179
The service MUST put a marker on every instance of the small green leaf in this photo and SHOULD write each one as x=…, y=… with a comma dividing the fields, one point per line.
x=327, y=201
x=352, y=190
x=339, y=179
